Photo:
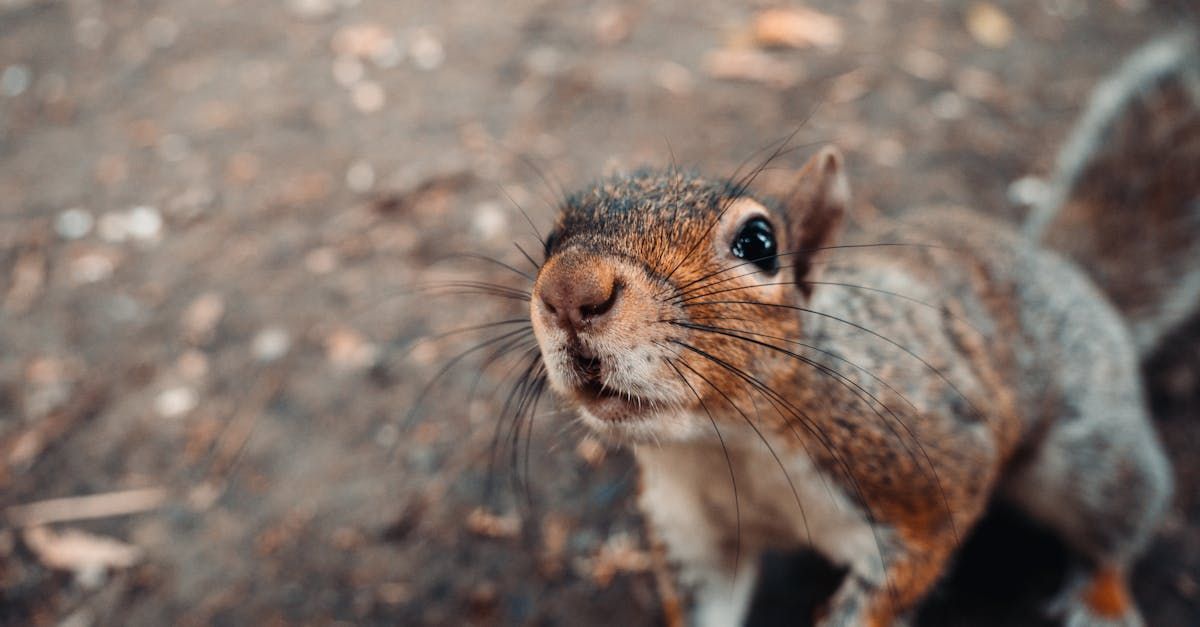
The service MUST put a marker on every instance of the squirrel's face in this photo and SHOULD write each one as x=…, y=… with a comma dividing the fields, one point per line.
x=656, y=287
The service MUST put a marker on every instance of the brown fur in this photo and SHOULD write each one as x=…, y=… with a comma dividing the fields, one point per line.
x=866, y=399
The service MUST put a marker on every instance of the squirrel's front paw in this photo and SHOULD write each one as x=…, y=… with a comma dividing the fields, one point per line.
x=1100, y=599
x=1083, y=615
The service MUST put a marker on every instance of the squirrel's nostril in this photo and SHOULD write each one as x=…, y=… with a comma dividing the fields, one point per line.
x=599, y=309
x=577, y=291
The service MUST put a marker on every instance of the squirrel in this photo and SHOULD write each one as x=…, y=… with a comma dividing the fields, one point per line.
x=868, y=399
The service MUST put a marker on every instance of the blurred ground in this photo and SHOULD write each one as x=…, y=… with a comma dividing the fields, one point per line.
x=212, y=214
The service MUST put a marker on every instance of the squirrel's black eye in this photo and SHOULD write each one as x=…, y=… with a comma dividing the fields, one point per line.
x=756, y=243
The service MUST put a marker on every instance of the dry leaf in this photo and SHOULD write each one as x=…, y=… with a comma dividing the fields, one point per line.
x=347, y=348
x=202, y=316
x=796, y=28
x=363, y=41
x=86, y=507
x=591, y=450
x=989, y=25
x=619, y=554
x=485, y=523
x=79, y=551
x=748, y=65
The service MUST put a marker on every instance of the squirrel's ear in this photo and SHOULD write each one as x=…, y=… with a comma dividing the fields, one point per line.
x=815, y=210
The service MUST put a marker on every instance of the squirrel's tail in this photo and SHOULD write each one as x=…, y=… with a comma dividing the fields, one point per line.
x=1125, y=200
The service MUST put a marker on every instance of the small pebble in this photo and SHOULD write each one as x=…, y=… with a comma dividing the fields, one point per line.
x=612, y=25
x=74, y=223
x=312, y=9
x=143, y=223
x=368, y=96
x=360, y=177
x=346, y=348
x=201, y=317
x=15, y=80
x=924, y=64
x=387, y=435
x=949, y=106
x=271, y=344
x=175, y=402
x=389, y=55
x=347, y=70
x=426, y=50
x=112, y=227
x=489, y=221
x=91, y=268
x=1028, y=191
x=362, y=40
x=675, y=78
x=91, y=576
x=191, y=202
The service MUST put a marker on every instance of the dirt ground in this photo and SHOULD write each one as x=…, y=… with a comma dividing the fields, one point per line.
x=213, y=216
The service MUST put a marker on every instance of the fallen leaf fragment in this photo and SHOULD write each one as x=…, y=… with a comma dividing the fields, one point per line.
x=989, y=25
x=484, y=523
x=346, y=348
x=796, y=28
x=748, y=65
x=86, y=507
x=619, y=554
x=78, y=551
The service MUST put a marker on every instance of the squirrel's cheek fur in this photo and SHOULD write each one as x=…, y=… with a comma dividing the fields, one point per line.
x=628, y=348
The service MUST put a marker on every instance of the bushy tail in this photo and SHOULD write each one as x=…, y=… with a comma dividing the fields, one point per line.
x=1125, y=200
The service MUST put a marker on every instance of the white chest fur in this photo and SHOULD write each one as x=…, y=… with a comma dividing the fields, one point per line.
x=688, y=497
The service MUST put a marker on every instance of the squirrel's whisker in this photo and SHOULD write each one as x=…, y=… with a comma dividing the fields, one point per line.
x=460, y=330
x=418, y=403
x=467, y=287
x=737, y=507
x=511, y=412
x=537, y=267
x=491, y=260
x=770, y=449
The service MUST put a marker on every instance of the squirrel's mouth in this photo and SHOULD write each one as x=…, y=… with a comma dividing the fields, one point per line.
x=602, y=401
x=611, y=405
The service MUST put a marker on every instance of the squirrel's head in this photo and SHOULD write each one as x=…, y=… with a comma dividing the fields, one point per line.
x=661, y=292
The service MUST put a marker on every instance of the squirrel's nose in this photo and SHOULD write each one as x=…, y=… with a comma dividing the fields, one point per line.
x=578, y=291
